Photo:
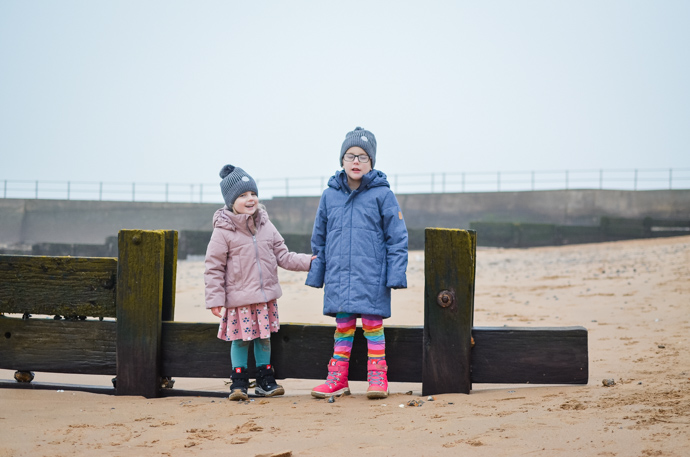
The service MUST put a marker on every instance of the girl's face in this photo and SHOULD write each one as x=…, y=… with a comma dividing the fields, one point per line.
x=247, y=203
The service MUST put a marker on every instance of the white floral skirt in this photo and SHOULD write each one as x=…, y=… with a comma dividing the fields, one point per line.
x=249, y=322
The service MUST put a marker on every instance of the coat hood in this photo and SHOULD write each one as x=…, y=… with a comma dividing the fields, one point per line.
x=374, y=178
x=226, y=219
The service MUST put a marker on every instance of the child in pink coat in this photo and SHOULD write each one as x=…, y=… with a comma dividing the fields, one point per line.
x=241, y=279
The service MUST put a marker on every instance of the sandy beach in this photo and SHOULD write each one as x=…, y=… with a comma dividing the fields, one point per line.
x=632, y=296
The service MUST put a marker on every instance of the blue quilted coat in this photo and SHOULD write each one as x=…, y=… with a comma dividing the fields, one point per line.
x=360, y=241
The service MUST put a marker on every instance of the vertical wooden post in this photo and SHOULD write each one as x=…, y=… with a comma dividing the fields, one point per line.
x=449, y=270
x=139, y=299
x=169, y=274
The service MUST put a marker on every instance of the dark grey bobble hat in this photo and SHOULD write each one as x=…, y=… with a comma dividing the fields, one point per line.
x=362, y=138
x=235, y=182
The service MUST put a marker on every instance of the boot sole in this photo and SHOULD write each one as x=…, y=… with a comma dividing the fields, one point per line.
x=377, y=395
x=337, y=393
x=262, y=393
x=238, y=396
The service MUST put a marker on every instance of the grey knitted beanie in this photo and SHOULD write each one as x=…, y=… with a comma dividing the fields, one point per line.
x=235, y=182
x=362, y=138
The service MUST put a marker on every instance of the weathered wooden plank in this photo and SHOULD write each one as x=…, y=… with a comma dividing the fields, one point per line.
x=139, y=311
x=306, y=349
x=501, y=354
x=169, y=274
x=530, y=355
x=449, y=270
x=81, y=347
x=67, y=286
x=297, y=351
x=192, y=350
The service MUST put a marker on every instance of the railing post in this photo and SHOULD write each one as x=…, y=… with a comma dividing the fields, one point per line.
x=166, y=192
x=449, y=272
x=635, y=180
x=566, y=180
x=5, y=191
x=140, y=279
x=100, y=191
x=601, y=179
x=133, y=191
x=463, y=182
x=432, y=182
x=670, y=178
x=498, y=181
x=533, y=180
x=443, y=183
x=36, y=189
x=68, y=190
x=287, y=187
x=201, y=193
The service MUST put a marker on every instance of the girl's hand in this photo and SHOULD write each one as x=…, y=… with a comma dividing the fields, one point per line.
x=216, y=311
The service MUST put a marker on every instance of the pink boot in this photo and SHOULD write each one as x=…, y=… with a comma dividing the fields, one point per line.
x=336, y=383
x=377, y=375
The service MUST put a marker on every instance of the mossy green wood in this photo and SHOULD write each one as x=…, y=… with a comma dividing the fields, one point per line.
x=449, y=268
x=140, y=276
x=66, y=286
x=169, y=274
x=64, y=346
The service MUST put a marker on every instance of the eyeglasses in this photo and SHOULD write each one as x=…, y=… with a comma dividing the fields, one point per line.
x=362, y=158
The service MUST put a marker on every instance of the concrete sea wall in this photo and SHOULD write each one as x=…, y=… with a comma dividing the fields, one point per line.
x=28, y=222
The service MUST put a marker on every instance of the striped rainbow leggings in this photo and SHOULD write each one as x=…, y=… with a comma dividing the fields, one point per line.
x=372, y=325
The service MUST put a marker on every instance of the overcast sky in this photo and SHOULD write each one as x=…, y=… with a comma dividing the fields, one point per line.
x=170, y=91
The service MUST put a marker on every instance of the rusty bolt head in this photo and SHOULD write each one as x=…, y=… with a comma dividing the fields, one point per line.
x=445, y=298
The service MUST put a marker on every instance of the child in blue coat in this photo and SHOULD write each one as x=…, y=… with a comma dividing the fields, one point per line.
x=360, y=243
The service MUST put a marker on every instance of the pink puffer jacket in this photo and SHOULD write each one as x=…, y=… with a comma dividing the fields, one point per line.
x=241, y=268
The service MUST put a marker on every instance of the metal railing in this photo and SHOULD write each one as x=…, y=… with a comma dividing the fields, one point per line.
x=622, y=179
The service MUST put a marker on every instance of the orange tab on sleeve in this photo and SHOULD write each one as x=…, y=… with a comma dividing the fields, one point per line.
x=400, y=215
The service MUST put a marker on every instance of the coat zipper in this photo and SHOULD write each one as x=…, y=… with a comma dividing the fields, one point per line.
x=258, y=263
x=351, y=210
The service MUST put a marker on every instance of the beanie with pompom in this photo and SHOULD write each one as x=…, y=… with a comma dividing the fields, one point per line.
x=235, y=182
